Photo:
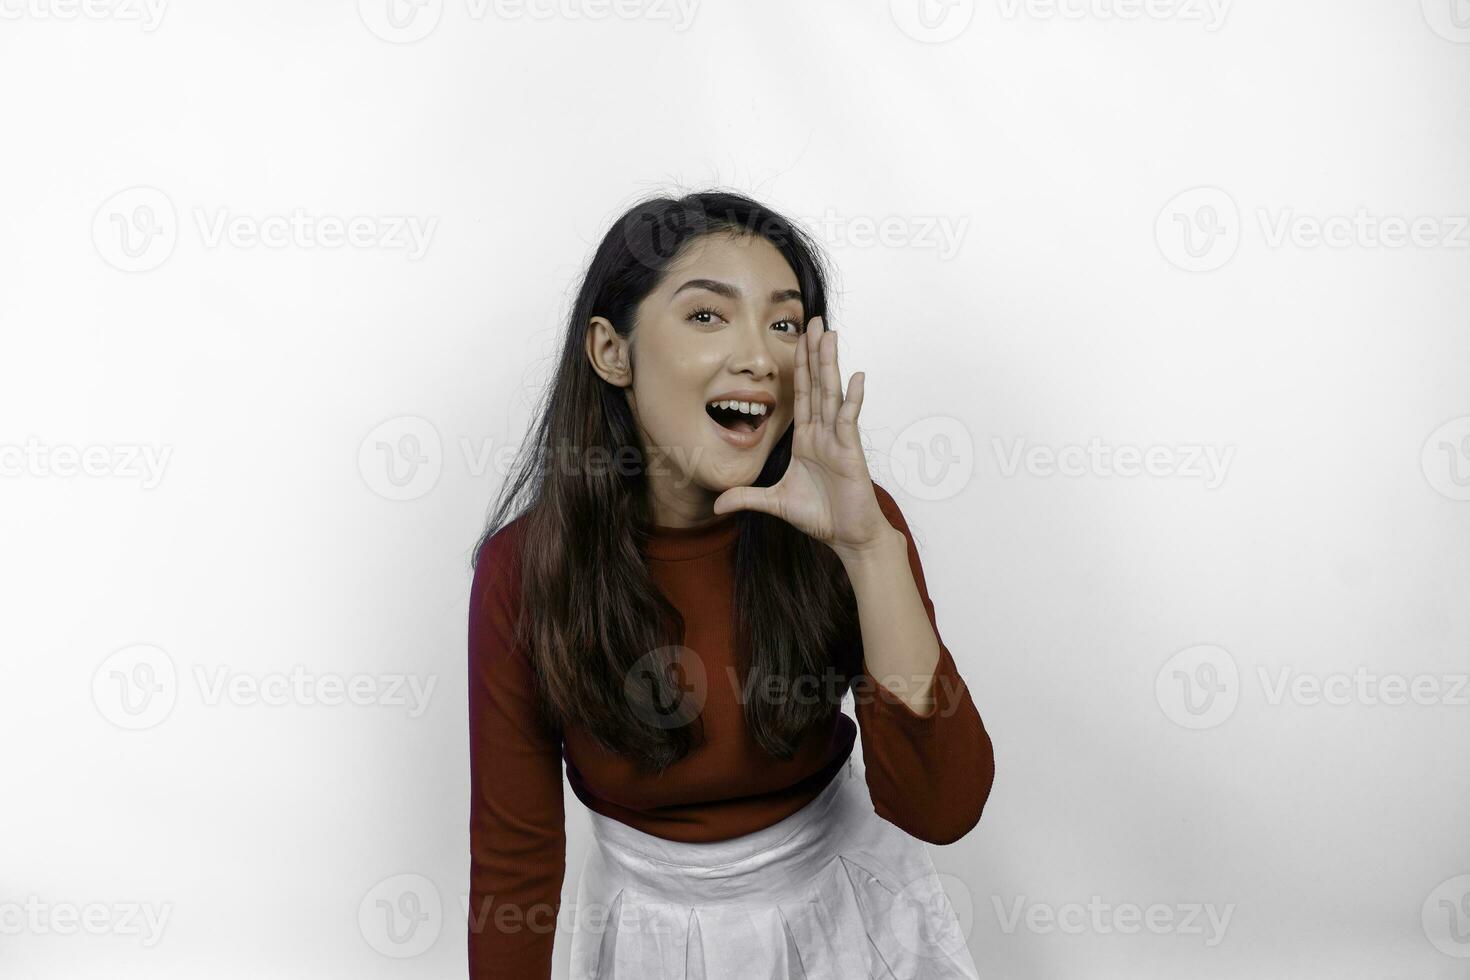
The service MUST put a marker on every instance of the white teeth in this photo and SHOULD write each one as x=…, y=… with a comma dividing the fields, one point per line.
x=749, y=408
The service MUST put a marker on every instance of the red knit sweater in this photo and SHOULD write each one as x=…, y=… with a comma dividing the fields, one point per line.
x=929, y=775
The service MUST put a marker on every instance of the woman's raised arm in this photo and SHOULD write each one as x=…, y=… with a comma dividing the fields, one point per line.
x=929, y=774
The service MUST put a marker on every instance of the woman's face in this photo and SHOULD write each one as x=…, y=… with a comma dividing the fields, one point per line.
x=723, y=322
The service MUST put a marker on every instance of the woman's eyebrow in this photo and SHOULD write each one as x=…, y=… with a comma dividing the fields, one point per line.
x=730, y=292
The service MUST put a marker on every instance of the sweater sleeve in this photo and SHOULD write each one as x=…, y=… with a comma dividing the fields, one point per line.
x=517, y=821
x=929, y=775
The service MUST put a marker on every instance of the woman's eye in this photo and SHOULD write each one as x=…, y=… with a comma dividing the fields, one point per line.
x=706, y=316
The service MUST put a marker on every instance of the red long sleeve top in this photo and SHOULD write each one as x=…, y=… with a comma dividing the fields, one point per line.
x=928, y=774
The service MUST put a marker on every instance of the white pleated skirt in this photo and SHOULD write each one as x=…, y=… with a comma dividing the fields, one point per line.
x=832, y=892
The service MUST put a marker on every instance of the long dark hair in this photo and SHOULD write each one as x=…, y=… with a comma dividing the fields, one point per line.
x=591, y=615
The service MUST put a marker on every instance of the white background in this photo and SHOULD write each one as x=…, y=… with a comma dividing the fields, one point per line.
x=1116, y=191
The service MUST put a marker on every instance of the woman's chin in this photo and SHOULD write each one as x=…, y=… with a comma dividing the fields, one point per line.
x=723, y=478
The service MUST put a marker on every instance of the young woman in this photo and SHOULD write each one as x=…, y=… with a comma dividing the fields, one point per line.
x=700, y=569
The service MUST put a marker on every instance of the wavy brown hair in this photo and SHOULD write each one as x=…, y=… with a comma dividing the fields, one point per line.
x=591, y=614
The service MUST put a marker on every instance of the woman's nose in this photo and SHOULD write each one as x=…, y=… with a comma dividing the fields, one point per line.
x=752, y=352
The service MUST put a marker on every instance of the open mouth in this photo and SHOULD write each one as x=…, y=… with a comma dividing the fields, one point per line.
x=738, y=416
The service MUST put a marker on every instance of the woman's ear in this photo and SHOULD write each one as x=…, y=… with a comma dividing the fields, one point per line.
x=609, y=353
